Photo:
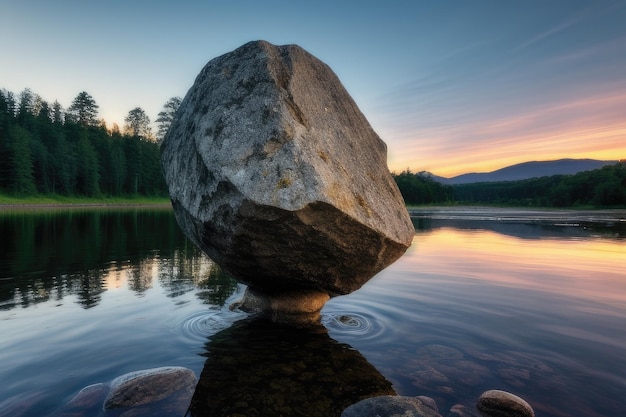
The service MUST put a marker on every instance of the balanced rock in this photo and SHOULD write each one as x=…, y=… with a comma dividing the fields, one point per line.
x=275, y=173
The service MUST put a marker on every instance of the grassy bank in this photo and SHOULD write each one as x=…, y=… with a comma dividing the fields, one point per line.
x=58, y=200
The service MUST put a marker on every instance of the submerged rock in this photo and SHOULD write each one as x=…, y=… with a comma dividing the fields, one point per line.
x=392, y=406
x=275, y=173
x=165, y=392
x=496, y=403
x=150, y=386
x=459, y=410
x=87, y=402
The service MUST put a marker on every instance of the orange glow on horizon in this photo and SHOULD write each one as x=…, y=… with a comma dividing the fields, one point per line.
x=462, y=167
x=591, y=127
x=603, y=145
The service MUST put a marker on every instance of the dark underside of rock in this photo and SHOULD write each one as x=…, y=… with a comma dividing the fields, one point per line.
x=275, y=173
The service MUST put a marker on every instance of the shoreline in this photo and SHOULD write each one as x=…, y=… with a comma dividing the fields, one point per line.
x=512, y=214
x=30, y=206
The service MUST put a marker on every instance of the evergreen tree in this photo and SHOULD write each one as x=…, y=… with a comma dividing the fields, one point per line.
x=118, y=165
x=41, y=147
x=151, y=181
x=6, y=112
x=25, y=111
x=7, y=119
x=63, y=164
x=44, y=114
x=83, y=110
x=132, y=153
x=165, y=117
x=7, y=103
x=115, y=131
x=40, y=105
x=421, y=188
x=57, y=112
x=20, y=161
x=88, y=180
x=138, y=124
x=47, y=151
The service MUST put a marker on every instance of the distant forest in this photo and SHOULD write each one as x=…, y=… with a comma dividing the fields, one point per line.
x=604, y=187
x=48, y=150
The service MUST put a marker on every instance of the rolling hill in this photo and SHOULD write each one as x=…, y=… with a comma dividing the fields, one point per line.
x=527, y=170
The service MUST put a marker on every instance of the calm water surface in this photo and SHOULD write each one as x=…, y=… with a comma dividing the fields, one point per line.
x=529, y=302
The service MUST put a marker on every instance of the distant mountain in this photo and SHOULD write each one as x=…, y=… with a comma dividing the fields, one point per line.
x=528, y=170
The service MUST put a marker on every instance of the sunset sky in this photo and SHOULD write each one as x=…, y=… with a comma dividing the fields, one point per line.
x=450, y=86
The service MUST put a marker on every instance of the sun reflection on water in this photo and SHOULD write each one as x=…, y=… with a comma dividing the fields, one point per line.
x=585, y=268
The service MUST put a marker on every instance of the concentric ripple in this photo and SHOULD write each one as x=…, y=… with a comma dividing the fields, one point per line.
x=350, y=324
x=203, y=324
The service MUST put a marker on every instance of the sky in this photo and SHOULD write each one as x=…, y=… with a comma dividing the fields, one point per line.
x=451, y=86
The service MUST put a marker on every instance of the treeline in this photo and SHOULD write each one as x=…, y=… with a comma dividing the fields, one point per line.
x=47, y=149
x=601, y=187
x=421, y=188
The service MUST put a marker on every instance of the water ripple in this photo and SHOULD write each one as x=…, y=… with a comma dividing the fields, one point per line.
x=203, y=324
x=350, y=324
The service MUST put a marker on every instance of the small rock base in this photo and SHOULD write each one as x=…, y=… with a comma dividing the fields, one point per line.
x=294, y=307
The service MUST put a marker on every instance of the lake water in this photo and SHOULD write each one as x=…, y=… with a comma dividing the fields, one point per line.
x=532, y=302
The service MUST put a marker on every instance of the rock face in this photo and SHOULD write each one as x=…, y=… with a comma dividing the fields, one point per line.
x=275, y=173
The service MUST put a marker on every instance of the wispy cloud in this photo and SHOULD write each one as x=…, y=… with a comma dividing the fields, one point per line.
x=544, y=35
x=592, y=126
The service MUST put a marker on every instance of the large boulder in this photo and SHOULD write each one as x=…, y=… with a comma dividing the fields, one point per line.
x=275, y=173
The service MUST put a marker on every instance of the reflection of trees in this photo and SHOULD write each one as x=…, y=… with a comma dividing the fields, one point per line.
x=48, y=255
x=140, y=275
x=176, y=272
x=525, y=228
x=87, y=286
x=216, y=287
x=188, y=269
x=91, y=289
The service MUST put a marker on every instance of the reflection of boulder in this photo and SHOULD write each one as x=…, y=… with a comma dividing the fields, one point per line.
x=259, y=368
x=275, y=173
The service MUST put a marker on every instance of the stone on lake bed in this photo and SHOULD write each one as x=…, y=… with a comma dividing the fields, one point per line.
x=392, y=406
x=496, y=403
x=149, y=386
x=277, y=176
x=89, y=398
x=164, y=391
